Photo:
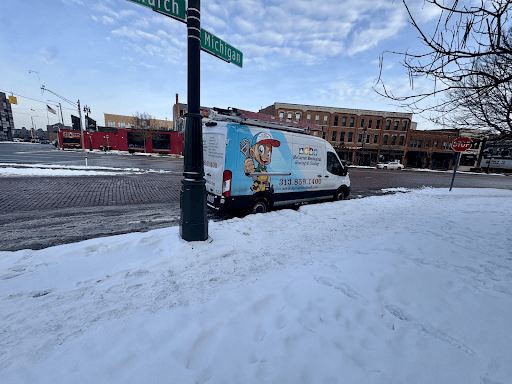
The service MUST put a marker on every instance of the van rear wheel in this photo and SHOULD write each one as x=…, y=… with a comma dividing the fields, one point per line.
x=260, y=205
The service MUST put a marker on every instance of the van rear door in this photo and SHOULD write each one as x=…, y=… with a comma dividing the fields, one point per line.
x=214, y=152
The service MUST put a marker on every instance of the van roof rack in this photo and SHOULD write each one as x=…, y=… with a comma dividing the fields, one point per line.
x=233, y=115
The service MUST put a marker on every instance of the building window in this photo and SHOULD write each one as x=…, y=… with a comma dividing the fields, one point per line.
x=435, y=144
x=120, y=125
x=446, y=145
x=297, y=116
x=317, y=119
x=376, y=139
x=368, y=139
x=404, y=125
x=401, y=142
x=325, y=119
x=281, y=115
x=362, y=122
x=289, y=116
x=378, y=124
x=359, y=137
x=342, y=136
x=393, y=140
x=111, y=124
x=315, y=133
x=344, y=121
x=388, y=125
x=370, y=123
x=350, y=135
x=396, y=125
x=335, y=121
x=324, y=134
x=334, y=133
x=416, y=143
x=351, y=122
x=427, y=143
x=385, y=142
x=308, y=118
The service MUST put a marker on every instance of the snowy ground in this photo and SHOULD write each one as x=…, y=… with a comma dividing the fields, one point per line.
x=7, y=169
x=412, y=287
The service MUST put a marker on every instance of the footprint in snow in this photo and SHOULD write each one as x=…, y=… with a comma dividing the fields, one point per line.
x=344, y=288
x=438, y=334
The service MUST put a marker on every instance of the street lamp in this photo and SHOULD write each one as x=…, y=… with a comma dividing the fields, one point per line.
x=30, y=71
x=362, y=147
x=87, y=110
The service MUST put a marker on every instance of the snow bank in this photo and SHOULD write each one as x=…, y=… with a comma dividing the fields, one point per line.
x=406, y=288
x=7, y=169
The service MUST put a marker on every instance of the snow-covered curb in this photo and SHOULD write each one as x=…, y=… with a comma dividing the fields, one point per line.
x=8, y=169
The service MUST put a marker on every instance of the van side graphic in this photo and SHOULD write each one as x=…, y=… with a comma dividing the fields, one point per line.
x=259, y=151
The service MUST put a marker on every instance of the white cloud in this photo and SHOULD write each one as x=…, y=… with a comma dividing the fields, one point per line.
x=304, y=30
x=48, y=54
x=108, y=20
x=73, y=1
x=148, y=66
x=366, y=38
x=135, y=34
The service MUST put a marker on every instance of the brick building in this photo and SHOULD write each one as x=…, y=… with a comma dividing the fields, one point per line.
x=365, y=137
x=121, y=121
x=359, y=136
x=430, y=149
x=6, y=121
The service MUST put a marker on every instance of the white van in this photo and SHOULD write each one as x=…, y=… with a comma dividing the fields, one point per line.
x=257, y=165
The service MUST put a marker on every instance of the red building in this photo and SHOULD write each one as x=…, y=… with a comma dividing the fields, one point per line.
x=128, y=140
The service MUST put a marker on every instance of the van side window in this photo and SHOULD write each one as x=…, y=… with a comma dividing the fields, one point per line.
x=333, y=164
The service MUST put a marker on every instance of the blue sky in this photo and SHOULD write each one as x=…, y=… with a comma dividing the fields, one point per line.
x=119, y=57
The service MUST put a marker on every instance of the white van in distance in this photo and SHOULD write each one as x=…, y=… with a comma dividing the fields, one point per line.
x=256, y=165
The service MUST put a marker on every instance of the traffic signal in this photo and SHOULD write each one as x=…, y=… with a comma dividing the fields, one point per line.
x=75, y=122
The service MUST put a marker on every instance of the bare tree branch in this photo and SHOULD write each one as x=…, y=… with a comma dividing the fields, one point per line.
x=468, y=58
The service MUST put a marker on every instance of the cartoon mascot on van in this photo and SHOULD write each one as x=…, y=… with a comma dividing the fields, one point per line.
x=260, y=151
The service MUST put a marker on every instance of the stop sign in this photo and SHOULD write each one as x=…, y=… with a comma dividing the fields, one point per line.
x=461, y=144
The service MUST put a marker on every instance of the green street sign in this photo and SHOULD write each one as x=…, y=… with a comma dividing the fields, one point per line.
x=217, y=47
x=172, y=8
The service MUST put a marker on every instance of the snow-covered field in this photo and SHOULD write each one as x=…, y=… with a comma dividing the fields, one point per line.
x=407, y=288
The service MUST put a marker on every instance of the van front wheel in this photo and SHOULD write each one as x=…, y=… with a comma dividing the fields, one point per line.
x=339, y=195
x=260, y=205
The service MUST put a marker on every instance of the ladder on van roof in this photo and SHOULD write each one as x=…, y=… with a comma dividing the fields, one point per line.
x=218, y=114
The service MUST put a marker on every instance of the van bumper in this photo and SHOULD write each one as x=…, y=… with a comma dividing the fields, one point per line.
x=221, y=203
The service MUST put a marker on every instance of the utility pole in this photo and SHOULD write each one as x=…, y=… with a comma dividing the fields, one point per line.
x=193, y=220
x=81, y=126
x=61, y=116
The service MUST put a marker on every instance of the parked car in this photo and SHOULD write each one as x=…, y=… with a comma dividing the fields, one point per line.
x=390, y=165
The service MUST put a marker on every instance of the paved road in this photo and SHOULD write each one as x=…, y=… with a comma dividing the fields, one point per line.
x=37, y=212
x=28, y=153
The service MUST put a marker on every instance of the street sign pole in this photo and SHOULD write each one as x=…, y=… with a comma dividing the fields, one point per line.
x=455, y=169
x=459, y=145
x=193, y=220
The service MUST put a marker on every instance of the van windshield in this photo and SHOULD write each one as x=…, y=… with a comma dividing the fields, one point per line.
x=333, y=164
